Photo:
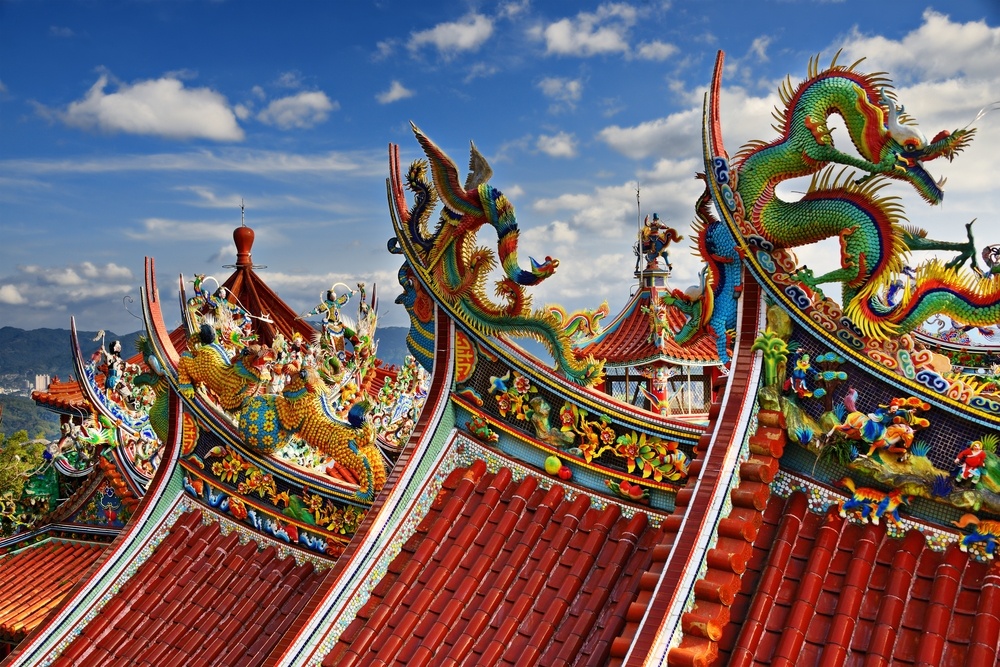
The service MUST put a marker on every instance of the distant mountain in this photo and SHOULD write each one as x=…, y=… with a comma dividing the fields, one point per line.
x=18, y=413
x=392, y=345
x=23, y=354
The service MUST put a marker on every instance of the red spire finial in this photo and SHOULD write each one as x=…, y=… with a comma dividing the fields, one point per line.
x=243, y=237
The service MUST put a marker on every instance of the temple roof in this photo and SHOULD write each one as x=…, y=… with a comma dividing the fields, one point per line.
x=253, y=294
x=501, y=572
x=820, y=589
x=629, y=341
x=63, y=396
x=201, y=597
x=36, y=579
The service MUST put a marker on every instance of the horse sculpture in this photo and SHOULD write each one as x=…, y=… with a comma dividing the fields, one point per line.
x=891, y=427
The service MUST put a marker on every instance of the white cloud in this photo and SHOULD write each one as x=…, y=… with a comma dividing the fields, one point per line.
x=561, y=90
x=759, y=47
x=161, y=229
x=590, y=33
x=159, y=107
x=262, y=163
x=383, y=50
x=60, y=31
x=396, y=92
x=466, y=34
x=744, y=116
x=577, y=285
x=602, y=224
x=655, y=50
x=557, y=231
x=10, y=295
x=64, y=288
x=513, y=192
x=480, y=71
x=302, y=291
x=63, y=277
x=209, y=199
x=659, y=135
x=509, y=10
x=301, y=111
x=607, y=212
x=291, y=79
x=938, y=49
x=562, y=144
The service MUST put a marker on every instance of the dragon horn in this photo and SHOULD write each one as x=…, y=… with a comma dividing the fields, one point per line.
x=445, y=175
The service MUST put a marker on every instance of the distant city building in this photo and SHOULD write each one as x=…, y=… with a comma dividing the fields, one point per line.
x=42, y=381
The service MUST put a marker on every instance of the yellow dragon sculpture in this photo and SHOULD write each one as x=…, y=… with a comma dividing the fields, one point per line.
x=268, y=420
x=207, y=364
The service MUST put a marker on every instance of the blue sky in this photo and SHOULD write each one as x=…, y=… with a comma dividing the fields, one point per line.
x=132, y=128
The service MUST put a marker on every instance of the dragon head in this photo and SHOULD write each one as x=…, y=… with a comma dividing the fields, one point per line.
x=905, y=149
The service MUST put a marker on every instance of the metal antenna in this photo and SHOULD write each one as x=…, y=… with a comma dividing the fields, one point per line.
x=638, y=234
x=243, y=216
x=638, y=209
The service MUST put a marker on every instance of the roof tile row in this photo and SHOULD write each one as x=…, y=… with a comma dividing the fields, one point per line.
x=502, y=572
x=200, y=598
x=824, y=591
x=36, y=580
x=704, y=624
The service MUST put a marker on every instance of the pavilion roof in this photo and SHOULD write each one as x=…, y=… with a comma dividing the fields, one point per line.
x=628, y=341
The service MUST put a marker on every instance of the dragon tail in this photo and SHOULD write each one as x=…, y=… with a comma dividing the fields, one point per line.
x=937, y=290
x=500, y=213
x=847, y=483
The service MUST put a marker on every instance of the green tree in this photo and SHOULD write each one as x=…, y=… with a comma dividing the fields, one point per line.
x=19, y=457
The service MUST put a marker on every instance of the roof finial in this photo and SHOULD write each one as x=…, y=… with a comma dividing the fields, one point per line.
x=243, y=237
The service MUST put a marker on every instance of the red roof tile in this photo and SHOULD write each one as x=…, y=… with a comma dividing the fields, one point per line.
x=200, y=598
x=64, y=396
x=258, y=299
x=34, y=581
x=828, y=591
x=502, y=572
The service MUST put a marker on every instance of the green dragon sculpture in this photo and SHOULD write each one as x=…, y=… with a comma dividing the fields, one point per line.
x=874, y=243
x=458, y=268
